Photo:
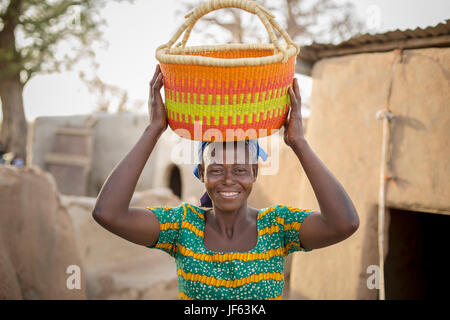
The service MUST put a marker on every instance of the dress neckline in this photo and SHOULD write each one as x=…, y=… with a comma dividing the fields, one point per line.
x=228, y=252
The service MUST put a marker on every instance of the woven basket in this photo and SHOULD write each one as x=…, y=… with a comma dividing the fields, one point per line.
x=227, y=92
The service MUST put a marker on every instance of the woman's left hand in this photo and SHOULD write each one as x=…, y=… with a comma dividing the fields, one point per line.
x=293, y=126
x=157, y=109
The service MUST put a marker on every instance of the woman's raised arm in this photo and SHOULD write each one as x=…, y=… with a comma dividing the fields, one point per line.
x=338, y=218
x=112, y=210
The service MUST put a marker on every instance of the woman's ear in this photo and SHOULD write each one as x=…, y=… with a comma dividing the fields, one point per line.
x=201, y=171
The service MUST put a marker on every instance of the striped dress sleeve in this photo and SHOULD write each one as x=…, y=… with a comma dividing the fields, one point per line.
x=169, y=225
x=291, y=220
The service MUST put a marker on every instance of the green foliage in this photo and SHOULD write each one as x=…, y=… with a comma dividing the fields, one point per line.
x=32, y=32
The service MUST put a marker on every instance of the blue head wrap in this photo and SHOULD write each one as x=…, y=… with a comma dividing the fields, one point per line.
x=205, y=200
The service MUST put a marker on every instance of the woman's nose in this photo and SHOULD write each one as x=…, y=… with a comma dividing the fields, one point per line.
x=228, y=176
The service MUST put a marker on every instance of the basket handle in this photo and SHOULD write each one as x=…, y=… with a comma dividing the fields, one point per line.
x=266, y=17
x=207, y=7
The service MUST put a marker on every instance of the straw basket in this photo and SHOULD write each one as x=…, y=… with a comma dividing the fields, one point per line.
x=227, y=92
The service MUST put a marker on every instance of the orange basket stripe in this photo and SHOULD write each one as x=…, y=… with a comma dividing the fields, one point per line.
x=183, y=83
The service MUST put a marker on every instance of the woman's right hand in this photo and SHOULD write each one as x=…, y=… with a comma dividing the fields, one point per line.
x=156, y=107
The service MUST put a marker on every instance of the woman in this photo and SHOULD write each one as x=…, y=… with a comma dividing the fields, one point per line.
x=229, y=250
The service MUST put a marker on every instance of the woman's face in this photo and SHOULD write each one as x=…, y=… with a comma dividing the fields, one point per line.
x=228, y=174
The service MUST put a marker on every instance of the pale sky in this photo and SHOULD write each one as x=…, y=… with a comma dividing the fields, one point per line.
x=135, y=30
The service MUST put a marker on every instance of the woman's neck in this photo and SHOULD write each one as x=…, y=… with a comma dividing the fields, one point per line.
x=228, y=223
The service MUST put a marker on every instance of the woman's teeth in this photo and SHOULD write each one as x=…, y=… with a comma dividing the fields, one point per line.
x=229, y=194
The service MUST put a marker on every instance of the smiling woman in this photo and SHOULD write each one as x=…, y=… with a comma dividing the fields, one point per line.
x=231, y=170
x=241, y=156
x=225, y=249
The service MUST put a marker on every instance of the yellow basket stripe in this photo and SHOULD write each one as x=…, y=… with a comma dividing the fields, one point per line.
x=212, y=281
x=173, y=97
x=225, y=111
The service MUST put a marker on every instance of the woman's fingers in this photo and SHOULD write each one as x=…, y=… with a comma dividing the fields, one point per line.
x=292, y=96
x=288, y=115
x=294, y=92
x=155, y=75
x=155, y=88
x=158, y=82
x=152, y=82
x=294, y=102
x=297, y=92
x=286, y=122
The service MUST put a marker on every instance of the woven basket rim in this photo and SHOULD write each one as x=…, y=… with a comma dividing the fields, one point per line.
x=177, y=55
x=222, y=47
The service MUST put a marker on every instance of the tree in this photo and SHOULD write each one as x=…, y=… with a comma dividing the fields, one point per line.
x=38, y=36
x=306, y=21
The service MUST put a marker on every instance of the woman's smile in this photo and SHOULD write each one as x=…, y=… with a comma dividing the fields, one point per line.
x=229, y=195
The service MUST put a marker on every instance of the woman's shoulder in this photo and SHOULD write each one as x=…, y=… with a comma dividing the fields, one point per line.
x=268, y=213
x=168, y=211
x=164, y=207
x=280, y=207
x=282, y=211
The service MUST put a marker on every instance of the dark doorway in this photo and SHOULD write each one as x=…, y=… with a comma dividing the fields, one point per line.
x=175, y=181
x=415, y=266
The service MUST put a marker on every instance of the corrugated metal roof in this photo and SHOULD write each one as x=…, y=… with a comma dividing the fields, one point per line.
x=436, y=36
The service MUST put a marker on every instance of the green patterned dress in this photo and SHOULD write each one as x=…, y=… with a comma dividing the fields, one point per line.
x=204, y=274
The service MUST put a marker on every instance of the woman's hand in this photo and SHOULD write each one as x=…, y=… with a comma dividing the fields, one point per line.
x=293, y=127
x=156, y=107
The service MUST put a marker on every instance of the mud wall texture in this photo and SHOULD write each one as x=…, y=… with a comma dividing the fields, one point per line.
x=42, y=233
x=345, y=134
x=114, y=267
x=37, y=241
